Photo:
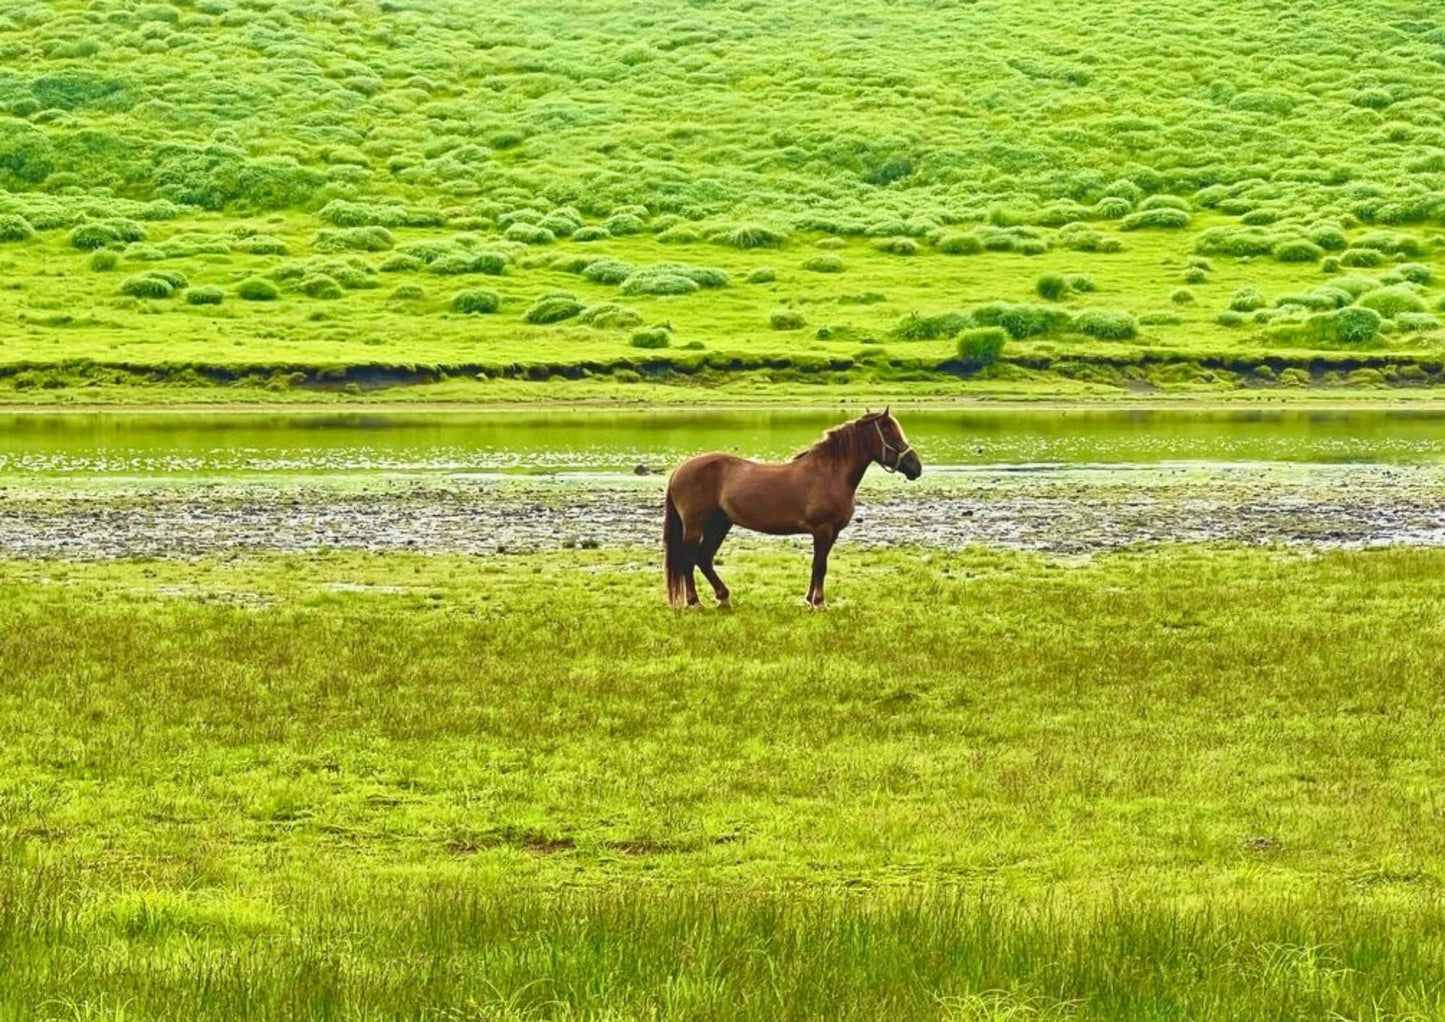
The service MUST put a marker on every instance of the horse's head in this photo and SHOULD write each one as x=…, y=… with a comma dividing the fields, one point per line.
x=892, y=449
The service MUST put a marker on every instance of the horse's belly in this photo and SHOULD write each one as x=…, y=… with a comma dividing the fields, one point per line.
x=764, y=517
x=777, y=518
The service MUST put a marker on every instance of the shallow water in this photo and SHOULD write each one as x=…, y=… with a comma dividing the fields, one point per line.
x=186, y=443
x=1066, y=481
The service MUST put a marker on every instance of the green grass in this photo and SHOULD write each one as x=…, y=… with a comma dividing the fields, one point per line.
x=949, y=155
x=1188, y=782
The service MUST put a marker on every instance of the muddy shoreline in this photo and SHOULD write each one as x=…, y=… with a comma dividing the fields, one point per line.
x=1067, y=510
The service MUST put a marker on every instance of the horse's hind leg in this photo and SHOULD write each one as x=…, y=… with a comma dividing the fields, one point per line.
x=713, y=534
x=692, y=547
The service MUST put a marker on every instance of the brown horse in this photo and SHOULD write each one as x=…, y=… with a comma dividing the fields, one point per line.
x=813, y=493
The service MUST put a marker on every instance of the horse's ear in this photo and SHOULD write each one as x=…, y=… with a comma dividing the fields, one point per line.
x=886, y=409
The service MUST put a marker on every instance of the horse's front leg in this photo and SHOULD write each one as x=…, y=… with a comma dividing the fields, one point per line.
x=822, y=544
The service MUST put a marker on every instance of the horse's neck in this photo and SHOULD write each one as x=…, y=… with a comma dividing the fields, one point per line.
x=851, y=463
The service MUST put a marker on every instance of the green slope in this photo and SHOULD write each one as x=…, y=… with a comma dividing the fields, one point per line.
x=369, y=162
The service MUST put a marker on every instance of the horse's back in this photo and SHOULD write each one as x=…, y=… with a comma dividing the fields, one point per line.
x=762, y=496
x=703, y=475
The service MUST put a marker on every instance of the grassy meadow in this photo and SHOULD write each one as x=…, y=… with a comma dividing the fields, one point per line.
x=249, y=198
x=1182, y=782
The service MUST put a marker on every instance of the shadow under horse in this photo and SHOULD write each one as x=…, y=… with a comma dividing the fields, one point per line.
x=813, y=493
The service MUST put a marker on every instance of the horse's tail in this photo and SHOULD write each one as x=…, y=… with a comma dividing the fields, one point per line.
x=674, y=554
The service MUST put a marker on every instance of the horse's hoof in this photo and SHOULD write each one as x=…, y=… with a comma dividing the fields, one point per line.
x=725, y=603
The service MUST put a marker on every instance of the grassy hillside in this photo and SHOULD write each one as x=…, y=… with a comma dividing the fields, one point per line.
x=1148, y=194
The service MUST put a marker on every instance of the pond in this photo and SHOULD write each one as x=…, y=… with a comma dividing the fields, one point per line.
x=1064, y=480
x=146, y=444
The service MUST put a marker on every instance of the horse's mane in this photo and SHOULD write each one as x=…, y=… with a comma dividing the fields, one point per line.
x=839, y=441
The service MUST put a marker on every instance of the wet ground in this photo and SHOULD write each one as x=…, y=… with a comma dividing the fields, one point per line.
x=1064, y=509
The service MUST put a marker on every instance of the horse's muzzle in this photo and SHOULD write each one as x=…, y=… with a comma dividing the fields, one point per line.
x=910, y=466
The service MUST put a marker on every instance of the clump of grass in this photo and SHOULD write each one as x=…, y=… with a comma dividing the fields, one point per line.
x=959, y=243
x=611, y=316
x=651, y=337
x=1353, y=285
x=1413, y=273
x=929, y=328
x=1352, y=325
x=1181, y=296
x=260, y=244
x=1159, y=218
x=461, y=262
x=591, y=232
x=981, y=346
x=1112, y=207
x=352, y=273
x=255, y=289
x=529, y=234
x=885, y=228
x=207, y=295
x=553, y=309
x=654, y=282
x=142, y=253
x=1052, y=286
x=353, y=239
x=104, y=260
x=14, y=227
x=761, y=275
x=476, y=301
x=620, y=225
x=1361, y=257
x=147, y=285
x=680, y=234
x=1080, y=237
x=1391, y=301
x=1416, y=322
x=526, y=215
x=92, y=236
x=1020, y=320
x=897, y=246
x=1247, y=299
x=666, y=278
x=1058, y=286
x=321, y=286
x=1298, y=250
x=752, y=235
x=401, y=263
x=408, y=293
x=824, y=264
x=1236, y=242
x=344, y=213
x=608, y=271
x=561, y=223
x=1196, y=275
x=787, y=319
x=572, y=263
x=1107, y=324
x=1329, y=238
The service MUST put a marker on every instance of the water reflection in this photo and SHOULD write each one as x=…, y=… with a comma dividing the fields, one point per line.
x=549, y=441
